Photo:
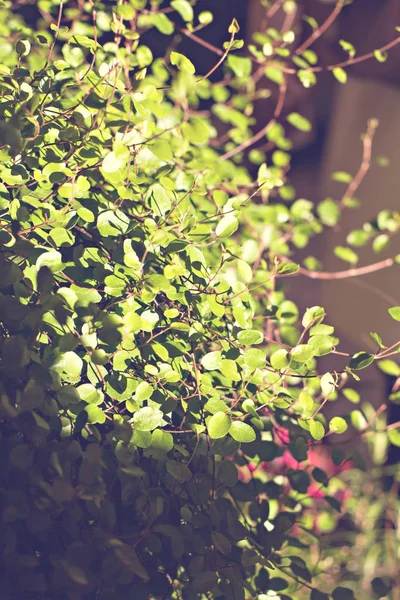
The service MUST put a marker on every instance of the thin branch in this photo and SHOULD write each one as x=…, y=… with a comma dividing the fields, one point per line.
x=58, y=24
x=271, y=12
x=321, y=30
x=202, y=42
x=358, y=59
x=221, y=60
x=365, y=164
x=356, y=272
x=346, y=63
x=260, y=134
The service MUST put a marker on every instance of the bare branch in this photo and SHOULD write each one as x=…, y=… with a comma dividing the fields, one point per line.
x=355, y=272
x=365, y=164
x=321, y=30
x=260, y=134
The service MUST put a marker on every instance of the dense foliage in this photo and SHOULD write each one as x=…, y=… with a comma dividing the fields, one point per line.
x=161, y=397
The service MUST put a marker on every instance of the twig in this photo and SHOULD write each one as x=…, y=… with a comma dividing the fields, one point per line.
x=346, y=63
x=202, y=42
x=321, y=30
x=274, y=9
x=363, y=57
x=60, y=11
x=260, y=134
x=221, y=60
x=365, y=164
x=355, y=272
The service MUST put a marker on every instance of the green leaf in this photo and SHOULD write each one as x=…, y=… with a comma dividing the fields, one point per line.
x=348, y=47
x=274, y=74
x=250, y=337
x=229, y=369
x=306, y=401
x=204, y=582
x=184, y=8
x=346, y=254
x=278, y=584
x=161, y=441
x=377, y=339
x=163, y=23
x=244, y=271
x=205, y=17
x=23, y=47
x=338, y=425
x=227, y=471
x=212, y=360
x=61, y=237
x=313, y=316
x=299, y=122
x=321, y=344
x=280, y=359
x=380, y=56
x=162, y=150
x=288, y=268
x=317, y=430
x=219, y=425
x=394, y=437
x=341, y=176
x=148, y=418
x=381, y=586
x=340, y=74
x=240, y=65
x=302, y=353
x=52, y=260
x=361, y=360
x=241, y=432
x=307, y=78
x=197, y=132
x=329, y=212
x=394, y=312
x=255, y=358
x=113, y=162
x=234, y=26
x=342, y=593
x=351, y=395
x=112, y=223
x=143, y=391
x=125, y=11
x=215, y=405
x=75, y=573
x=227, y=226
x=322, y=329
x=380, y=243
x=249, y=406
x=88, y=393
x=68, y=363
x=358, y=238
x=358, y=420
x=221, y=542
x=317, y=595
x=178, y=470
x=327, y=384
x=182, y=62
x=95, y=414
x=389, y=367
x=128, y=556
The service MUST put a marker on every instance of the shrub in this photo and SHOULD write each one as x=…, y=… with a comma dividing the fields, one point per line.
x=150, y=360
